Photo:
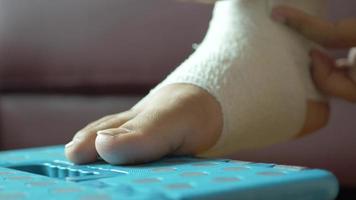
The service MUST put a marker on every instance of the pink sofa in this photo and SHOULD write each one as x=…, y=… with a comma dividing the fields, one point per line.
x=64, y=64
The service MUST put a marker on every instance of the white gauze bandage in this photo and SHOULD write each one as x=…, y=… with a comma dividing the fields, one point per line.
x=257, y=70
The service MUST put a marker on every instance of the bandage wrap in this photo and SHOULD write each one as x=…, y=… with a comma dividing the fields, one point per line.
x=258, y=72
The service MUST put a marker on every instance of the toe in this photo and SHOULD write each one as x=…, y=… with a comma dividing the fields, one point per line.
x=142, y=139
x=82, y=147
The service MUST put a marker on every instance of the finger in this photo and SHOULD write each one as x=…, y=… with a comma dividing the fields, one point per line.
x=82, y=148
x=331, y=80
x=341, y=34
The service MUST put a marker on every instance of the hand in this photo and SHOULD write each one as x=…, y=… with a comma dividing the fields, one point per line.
x=334, y=78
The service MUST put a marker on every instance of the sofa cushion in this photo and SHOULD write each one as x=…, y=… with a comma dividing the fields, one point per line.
x=38, y=120
x=96, y=44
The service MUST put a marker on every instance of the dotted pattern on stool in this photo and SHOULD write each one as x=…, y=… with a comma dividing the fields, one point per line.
x=35, y=173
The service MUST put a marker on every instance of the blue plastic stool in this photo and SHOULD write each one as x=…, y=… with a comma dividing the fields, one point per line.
x=44, y=173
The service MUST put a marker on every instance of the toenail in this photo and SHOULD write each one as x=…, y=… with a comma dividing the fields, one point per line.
x=71, y=143
x=113, y=133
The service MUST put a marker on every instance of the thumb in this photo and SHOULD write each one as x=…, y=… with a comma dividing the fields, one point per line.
x=331, y=80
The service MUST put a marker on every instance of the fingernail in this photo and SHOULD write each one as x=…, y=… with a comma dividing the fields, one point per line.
x=278, y=16
x=113, y=133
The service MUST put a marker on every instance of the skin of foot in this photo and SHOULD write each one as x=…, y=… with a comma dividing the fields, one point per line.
x=180, y=119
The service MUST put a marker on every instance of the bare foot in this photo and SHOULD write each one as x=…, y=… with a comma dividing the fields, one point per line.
x=179, y=119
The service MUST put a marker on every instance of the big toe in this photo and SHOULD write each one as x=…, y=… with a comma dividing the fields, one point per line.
x=178, y=123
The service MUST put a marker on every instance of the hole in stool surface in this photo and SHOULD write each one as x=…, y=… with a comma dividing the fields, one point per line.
x=179, y=186
x=66, y=190
x=270, y=173
x=164, y=169
x=12, y=195
x=66, y=172
x=225, y=179
x=235, y=169
x=193, y=174
x=49, y=170
x=147, y=180
x=202, y=164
